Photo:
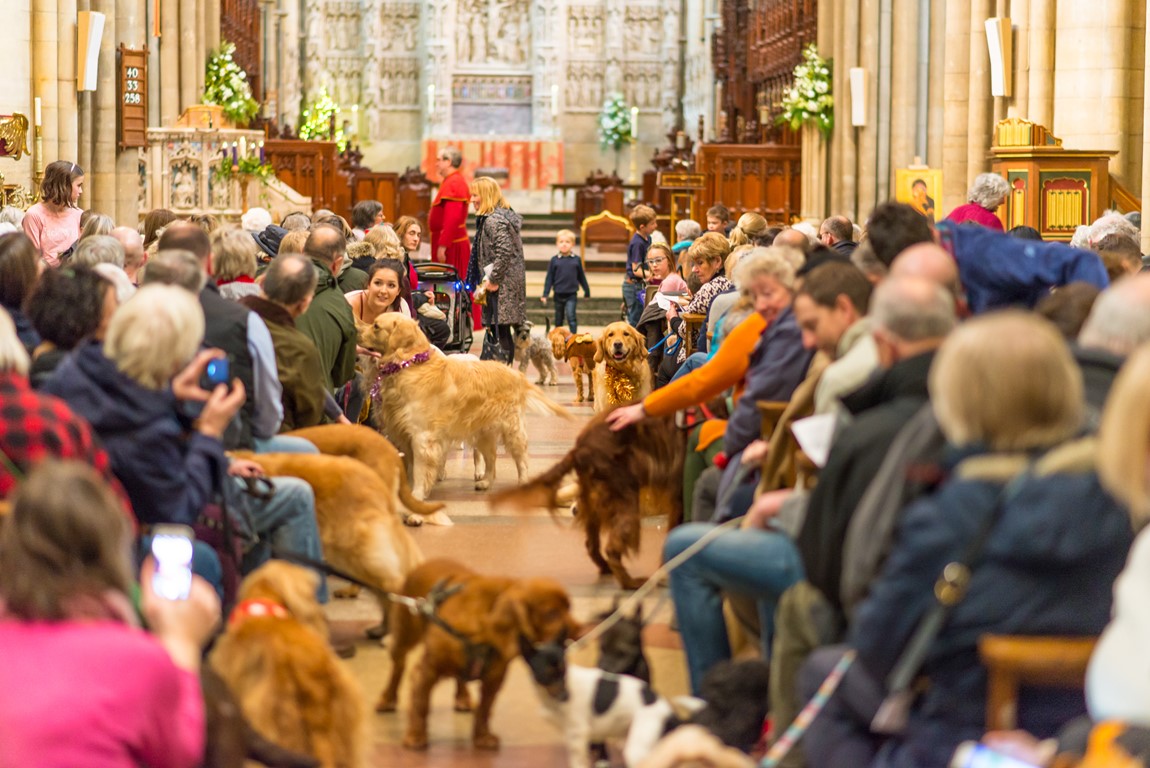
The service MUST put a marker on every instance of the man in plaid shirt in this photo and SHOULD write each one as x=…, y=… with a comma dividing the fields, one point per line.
x=35, y=427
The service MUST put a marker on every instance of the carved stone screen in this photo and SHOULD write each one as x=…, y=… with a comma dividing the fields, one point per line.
x=490, y=105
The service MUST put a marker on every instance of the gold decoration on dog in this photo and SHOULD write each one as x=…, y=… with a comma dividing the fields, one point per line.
x=619, y=386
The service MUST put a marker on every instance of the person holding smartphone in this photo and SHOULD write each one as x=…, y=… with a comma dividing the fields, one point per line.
x=67, y=625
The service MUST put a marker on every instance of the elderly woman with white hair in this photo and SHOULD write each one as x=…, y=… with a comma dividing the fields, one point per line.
x=130, y=389
x=986, y=194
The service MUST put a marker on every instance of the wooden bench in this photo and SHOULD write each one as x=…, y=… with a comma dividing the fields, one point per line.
x=692, y=323
x=1013, y=661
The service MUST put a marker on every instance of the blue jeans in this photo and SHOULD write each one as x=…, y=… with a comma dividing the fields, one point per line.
x=755, y=563
x=633, y=299
x=283, y=444
x=565, y=304
x=285, y=522
x=694, y=361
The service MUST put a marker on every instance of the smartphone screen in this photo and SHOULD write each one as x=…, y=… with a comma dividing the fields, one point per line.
x=973, y=755
x=217, y=372
x=172, y=551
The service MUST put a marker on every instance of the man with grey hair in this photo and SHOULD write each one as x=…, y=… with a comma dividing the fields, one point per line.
x=134, y=255
x=1118, y=323
x=838, y=233
x=98, y=249
x=329, y=321
x=986, y=194
x=296, y=220
x=175, y=267
x=287, y=292
x=447, y=219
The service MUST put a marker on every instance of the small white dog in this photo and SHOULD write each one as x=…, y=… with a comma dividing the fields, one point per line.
x=537, y=351
x=592, y=706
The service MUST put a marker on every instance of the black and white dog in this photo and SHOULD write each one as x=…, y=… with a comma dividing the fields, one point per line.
x=592, y=706
x=536, y=350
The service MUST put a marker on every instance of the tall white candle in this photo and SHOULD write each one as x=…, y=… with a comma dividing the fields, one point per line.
x=37, y=117
x=554, y=100
x=430, y=98
x=634, y=122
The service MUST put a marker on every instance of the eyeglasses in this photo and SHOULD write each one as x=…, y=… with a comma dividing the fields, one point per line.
x=658, y=260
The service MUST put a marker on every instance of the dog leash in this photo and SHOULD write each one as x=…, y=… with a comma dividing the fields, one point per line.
x=627, y=606
x=479, y=655
x=807, y=716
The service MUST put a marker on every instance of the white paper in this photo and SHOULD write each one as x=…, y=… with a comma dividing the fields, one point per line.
x=665, y=300
x=814, y=435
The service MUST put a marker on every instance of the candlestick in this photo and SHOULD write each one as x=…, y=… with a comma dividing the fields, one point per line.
x=243, y=146
x=233, y=154
x=680, y=140
x=634, y=122
x=263, y=157
x=38, y=118
x=430, y=99
x=554, y=100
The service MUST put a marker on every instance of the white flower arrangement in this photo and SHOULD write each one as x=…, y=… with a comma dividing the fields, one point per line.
x=615, y=127
x=226, y=85
x=809, y=98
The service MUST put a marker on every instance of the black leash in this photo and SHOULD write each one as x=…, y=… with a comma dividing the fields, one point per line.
x=479, y=655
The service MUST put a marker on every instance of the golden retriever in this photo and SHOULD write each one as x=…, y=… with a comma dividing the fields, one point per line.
x=276, y=658
x=622, y=375
x=358, y=519
x=377, y=452
x=622, y=477
x=579, y=351
x=492, y=613
x=427, y=402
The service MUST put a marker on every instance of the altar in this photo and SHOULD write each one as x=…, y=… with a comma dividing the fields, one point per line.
x=520, y=162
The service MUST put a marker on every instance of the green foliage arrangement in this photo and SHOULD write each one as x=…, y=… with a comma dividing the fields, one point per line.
x=246, y=166
x=810, y=98
x=226, y=85
x=316, y=122
x=615, y=129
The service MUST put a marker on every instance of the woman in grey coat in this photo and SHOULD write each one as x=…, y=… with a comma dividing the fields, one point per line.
x=498, y=244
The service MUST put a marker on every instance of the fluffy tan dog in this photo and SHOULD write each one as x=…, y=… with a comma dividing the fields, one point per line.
x=622, y=375
x=377, y=452
x=276, y=658
x=358, y=518
x=428, y=402
x=579, y=351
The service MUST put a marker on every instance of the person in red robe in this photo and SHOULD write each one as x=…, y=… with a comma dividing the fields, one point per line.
x=448, y=218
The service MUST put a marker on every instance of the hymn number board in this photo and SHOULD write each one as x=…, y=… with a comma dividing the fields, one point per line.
x=133, y=97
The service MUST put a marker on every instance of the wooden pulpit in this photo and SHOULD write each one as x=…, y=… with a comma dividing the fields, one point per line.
x=1052, y=188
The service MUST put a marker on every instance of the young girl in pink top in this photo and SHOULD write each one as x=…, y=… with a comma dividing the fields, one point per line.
x=53, y=224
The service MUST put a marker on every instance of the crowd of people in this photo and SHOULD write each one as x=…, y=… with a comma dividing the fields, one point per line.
x=980, y=393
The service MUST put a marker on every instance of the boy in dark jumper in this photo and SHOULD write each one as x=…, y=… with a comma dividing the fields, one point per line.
x=565, y=275
x=635, y=279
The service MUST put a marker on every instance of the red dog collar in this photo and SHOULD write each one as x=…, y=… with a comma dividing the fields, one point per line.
x=257, y=608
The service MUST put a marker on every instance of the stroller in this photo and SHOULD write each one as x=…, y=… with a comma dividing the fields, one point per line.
x=452, y=298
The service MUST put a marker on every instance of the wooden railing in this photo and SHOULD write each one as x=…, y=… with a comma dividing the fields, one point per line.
x=309, y=167
x=1122, y=199
x=362, y=184
x=764, y=178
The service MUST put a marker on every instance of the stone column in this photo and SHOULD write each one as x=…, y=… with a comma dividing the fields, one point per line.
x=102, y=175
x=980, y=115
x=131, y=31
x=47, y=81
x=956, y=107
x=904, y=87
x=1040, y=50
x=868, y=44
x=84, y=122
x=1019, y=105
x=936, y=120
x=1146, y=139
x=844, y=196
x=66, y=99
x=189, y=45
x=169, y=74
x=212, y=25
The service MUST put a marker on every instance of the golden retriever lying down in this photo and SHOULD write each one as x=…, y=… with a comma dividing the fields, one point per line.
x=276, y=658
x=377, y=452
x=428, y=402
x=622, y=375
x=358, y=518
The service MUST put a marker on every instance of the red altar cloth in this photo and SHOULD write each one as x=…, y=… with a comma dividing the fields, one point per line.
x=530, y=163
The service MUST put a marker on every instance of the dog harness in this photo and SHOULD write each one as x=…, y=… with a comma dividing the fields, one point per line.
x=393, y=368
x=255, y=609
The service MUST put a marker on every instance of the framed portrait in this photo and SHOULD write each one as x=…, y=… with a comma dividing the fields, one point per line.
x=921, y=188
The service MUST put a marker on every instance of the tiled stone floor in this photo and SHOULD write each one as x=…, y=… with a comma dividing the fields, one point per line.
x=499, y=542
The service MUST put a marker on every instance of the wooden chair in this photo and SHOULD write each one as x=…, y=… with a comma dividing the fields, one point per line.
x=606, y=228
x=1013, y=661
x=692, y=322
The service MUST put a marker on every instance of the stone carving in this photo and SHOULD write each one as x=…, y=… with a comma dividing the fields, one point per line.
x=643, y=30
x=493, y=32
x=584, y=86
x=584, y=28
x=400, y=26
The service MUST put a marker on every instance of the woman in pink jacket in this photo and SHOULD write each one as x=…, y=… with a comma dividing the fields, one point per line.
x=81, y=683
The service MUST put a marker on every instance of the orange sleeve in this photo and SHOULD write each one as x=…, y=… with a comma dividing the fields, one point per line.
x=726, y=369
